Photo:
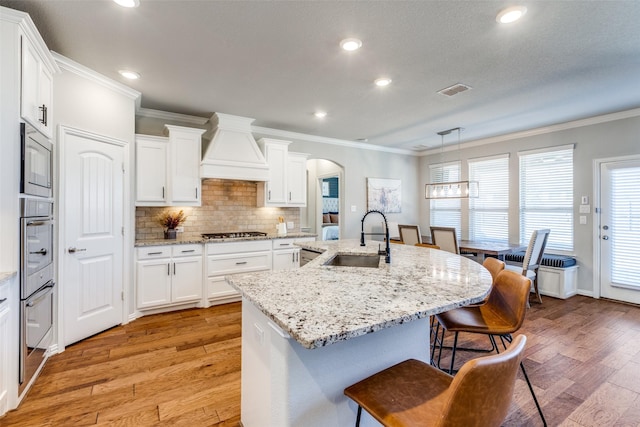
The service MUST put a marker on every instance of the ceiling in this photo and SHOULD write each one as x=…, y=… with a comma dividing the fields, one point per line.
x=279, y=61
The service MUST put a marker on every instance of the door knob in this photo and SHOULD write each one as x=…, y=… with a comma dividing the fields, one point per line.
x=74, y=250
x=605, y=237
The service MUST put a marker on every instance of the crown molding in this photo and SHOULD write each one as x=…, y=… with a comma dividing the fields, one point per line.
x=89, y=74
x=30, y=31
x=171, y=117
x=326, y=140
x=620, y=115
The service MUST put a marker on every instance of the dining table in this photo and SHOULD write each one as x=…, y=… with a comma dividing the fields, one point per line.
x=484, y=248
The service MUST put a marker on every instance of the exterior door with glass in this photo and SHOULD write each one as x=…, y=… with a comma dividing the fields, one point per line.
x=619, y=230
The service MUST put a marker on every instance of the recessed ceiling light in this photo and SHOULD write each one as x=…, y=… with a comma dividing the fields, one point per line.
x=128, y=3
x=511, y=14
x=320, y=114
x=383, y=81
x=131, y=75
x=351, y=44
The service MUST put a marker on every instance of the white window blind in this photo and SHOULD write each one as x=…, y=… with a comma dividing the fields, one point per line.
x=489, y=213
x=446, y=212
x=546, y=196
x=625, y=226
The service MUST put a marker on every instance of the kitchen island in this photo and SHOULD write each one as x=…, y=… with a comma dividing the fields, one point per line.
x=309, y=333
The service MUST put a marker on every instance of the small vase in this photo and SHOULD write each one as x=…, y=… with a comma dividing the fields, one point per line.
x=170, y=233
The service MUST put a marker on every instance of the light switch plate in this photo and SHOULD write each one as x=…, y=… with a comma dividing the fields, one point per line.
x=585, y=208
x=584, y=200
x=583, y=219
x=353, y=208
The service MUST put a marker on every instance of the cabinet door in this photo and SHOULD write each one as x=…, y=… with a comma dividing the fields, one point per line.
x=45, y=100
x=184, y=160
x=153, y=282
x=297, y=180
x=6, y=339
x=276, y=187
x=151, y=171
x=218, y=288
x=187, y=279
x=29, y=84
x=286, y=259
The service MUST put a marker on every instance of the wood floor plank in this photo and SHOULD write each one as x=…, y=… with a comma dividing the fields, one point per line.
x=183, y=368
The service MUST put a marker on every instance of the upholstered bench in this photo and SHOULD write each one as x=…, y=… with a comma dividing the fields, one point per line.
x=557, y=275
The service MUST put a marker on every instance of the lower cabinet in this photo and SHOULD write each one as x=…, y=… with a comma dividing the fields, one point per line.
x=231, y=258
x=5, y=337
x=286, y=255
x=168, y=275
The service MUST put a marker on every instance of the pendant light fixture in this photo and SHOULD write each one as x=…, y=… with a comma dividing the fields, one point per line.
x=452, y=189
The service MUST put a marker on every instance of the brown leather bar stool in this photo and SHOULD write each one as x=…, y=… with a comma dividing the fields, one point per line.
x=414, y=393
x=500, y=316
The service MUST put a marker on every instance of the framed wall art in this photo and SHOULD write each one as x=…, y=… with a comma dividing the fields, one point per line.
x=384, y=195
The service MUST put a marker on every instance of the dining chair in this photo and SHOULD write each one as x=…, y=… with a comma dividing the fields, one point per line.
x=414, y=393
x=533, y=258
x=394, y=234
x=410, y=234
x=446, y=238
x=502, y=315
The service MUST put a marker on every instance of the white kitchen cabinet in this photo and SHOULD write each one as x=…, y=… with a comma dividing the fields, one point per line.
x=36, y=87
x=5, y=337
x=168, y=168
x=287, y=185
x=297, y=179
x=168, y=275
x=232, y=258
x=286, y=254
x=184, y=165
x=151, y=170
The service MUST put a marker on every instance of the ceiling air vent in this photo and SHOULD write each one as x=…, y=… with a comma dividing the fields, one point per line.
x=454, y=90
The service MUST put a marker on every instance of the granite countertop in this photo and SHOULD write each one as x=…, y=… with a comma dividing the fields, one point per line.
x=6, y=275
x=179, y=241
x=319, y=305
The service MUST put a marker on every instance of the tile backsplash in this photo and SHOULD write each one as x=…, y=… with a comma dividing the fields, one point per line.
x=227, y=205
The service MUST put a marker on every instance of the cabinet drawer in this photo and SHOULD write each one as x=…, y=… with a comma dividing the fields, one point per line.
x=186, y=250
x=289, y=242
x=220, y=265
x=151, y=252
x=238, y=247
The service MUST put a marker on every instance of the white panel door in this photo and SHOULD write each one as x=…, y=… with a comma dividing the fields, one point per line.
x=92, y=207
x=186, y=283
x=620, y=231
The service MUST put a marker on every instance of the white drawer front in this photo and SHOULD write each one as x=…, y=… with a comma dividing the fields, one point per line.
x=217, y=287
x=289, y=242
x=151, y=252
x=186, y=250
x=238, y=247
x=220, y=265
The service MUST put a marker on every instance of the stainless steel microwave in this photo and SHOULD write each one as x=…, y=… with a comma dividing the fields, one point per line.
x=36, y=151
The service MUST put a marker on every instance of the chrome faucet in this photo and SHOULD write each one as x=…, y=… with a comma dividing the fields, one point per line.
x=387, y=251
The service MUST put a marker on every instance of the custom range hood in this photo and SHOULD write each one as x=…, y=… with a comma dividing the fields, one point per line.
x=233, y=153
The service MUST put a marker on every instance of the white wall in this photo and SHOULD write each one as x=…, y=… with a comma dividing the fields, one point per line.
x=592, y=141
x=87, y=101
x=360, y=164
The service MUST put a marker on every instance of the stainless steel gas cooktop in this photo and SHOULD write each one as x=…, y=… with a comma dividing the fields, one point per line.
x=233, y=234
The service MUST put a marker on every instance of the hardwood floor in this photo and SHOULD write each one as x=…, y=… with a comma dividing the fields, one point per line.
x=183, y=368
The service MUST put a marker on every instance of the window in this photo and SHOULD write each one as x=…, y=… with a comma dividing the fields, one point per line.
x=546, y=195
x=445, y=213
x=489, y=213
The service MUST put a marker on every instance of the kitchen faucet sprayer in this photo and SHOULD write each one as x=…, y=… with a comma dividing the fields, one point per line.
x=387, y=251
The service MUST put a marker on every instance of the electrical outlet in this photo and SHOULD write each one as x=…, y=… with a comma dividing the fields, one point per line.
x=290, y=225
x=179, y=229
x=353, y=208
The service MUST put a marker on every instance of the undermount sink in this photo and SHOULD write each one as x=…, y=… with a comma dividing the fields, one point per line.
x=350, y=260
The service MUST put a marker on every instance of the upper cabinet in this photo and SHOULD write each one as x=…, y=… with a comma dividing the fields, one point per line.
x=168, y=168
x=36, y=87
x=287, y=184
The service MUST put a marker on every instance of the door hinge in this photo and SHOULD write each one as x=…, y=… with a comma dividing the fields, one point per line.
x=122, y=230
x=122, y=295
x=123, y=167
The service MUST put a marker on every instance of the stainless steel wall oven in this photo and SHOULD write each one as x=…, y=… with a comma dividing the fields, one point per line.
x=36, y=285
